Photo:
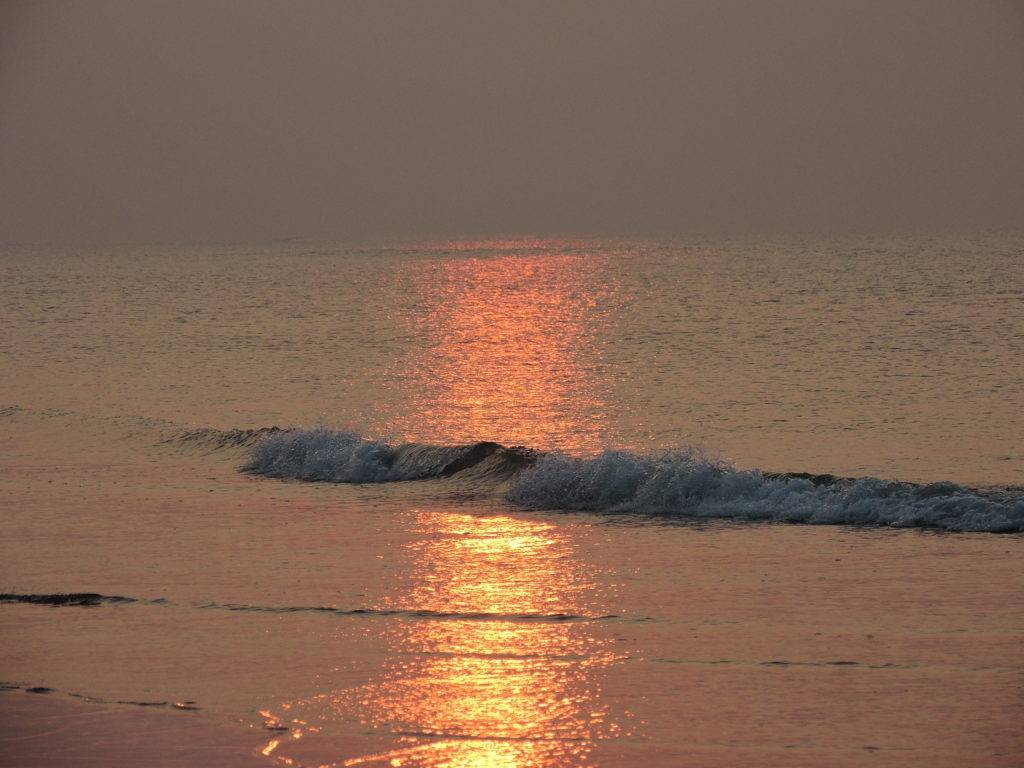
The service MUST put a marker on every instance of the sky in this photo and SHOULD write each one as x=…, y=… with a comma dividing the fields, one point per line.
x=213, y=121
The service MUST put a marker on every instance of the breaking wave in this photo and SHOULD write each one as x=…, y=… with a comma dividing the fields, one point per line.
x=681, y=484
x=71, y=599
x=410, y=613
x=684, y=484
x=330, y=456
x=91, y=599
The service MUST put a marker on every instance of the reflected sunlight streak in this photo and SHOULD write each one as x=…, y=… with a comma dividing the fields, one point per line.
x=470, y=693
x=512, y=360
x=510, y=692
x=512, y=353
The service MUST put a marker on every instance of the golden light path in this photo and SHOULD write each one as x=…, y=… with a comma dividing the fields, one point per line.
x=515, y=682
x=513, y=690
x=511, y=350
x=509, y=675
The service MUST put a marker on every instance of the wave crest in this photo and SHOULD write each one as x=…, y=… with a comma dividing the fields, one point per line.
x=681, y=484
x=685, y=484
x=88, y=599
x=332, y=456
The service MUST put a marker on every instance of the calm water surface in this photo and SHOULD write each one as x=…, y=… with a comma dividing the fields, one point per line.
x=433, y=623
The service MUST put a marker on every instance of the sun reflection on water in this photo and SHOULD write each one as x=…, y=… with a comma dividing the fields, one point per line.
x=511, y=352
x=517, y=688
x=507, y=674
x=500, y=662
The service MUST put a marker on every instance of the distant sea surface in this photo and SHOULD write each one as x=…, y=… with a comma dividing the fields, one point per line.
x=522, y=502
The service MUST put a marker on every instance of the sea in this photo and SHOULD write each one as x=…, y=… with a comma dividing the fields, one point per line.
x=506, y=502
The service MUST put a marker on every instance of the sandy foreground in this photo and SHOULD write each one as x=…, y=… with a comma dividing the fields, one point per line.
x=54, y=729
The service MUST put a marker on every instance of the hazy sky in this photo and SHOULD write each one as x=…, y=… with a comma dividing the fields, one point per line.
x=191, y=121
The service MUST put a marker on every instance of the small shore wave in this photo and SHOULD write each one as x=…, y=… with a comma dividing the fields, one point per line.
x=332, y=456
x=682, y=484
x=71, y=599
x=92, y=599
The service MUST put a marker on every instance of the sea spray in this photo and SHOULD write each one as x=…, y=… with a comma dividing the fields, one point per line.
x=680, y=484
x=685, y=485
x=332, y=456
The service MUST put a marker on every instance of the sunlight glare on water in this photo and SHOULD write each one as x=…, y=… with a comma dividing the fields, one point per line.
x=439, y=622
x=513, y=354
x=519, y=684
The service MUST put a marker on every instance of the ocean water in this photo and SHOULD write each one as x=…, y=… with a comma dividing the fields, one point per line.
x=525, y=502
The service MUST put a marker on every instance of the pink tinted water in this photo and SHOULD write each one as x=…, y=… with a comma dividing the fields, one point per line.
x=491, y=635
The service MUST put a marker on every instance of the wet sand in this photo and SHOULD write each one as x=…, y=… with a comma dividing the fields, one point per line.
x=53, y=730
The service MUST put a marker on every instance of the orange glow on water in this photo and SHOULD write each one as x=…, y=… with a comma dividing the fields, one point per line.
x=507, y=675
x=514, y=688
x=508, y=671
x=512, y=352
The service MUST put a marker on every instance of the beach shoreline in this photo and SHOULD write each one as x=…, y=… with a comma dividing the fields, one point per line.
x=55, y=729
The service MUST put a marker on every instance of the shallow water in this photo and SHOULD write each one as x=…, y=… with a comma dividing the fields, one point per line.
x=435, y=622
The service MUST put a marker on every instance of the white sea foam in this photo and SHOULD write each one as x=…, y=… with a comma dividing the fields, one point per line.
x=681, y=484
x=684, y=484
x=326, y=455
